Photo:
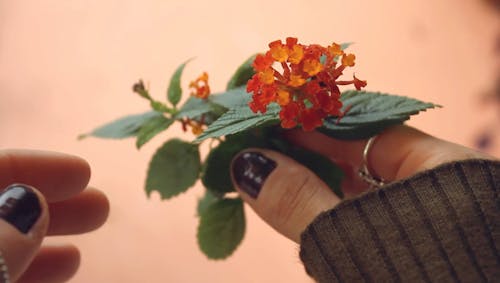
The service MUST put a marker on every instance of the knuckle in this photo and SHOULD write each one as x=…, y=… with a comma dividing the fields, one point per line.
x=297, y=191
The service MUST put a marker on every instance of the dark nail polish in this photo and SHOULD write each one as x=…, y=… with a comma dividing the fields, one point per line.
x=250, y=170
x=19, y=205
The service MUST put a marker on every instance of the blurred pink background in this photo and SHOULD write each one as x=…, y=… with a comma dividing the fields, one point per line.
x=68, y=66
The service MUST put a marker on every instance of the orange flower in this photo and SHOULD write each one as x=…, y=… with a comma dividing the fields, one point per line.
x=289, y=114
x=197, y=126
x=306, y=85
x=312, y=66
x=296, y=81
x=196, y=129
x=335, y=50
x=358, y=84
x=254, y=84
x=267, y=76
x=348, y=60
x=200, y=86
x=283, y=97
x=262, y=62
x=311, y=119
x=278, y=51
x=296, y=54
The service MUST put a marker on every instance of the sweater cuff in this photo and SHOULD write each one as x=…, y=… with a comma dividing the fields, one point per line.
x=440, y=225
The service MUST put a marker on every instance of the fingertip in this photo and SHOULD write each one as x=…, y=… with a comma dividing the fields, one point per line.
x=83, y=170
x=57, y=175
x=23, y=224
x=284, y=193
x=75, y=175
x=81, y=214
x=24, y=208
x=250, y=170
x=53, y=264
x=101, y=208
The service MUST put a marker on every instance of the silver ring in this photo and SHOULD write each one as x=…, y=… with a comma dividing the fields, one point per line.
x=4, y=271
x=364, y=171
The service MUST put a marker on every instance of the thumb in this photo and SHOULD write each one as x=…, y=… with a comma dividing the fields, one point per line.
x=284, y=193
x=23, y=224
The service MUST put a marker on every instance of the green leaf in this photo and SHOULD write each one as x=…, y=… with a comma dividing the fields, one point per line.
x=221, y=228
x=370, y=113
x=125, y=127
x=242, y=74
x=174, y=168
x=362, y=131
x=151, y=128
x=217, y=104
x=359, y=131
x=203, y=203
x=236, y=97
x=322, y=166
x=194, y=107
x=369, y=107
x=159, y=106
x=216, y=175
x=239, y=119
x=345, y=45
x=174, y=91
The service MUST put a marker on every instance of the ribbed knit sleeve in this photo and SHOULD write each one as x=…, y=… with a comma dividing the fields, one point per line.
x=440, y=225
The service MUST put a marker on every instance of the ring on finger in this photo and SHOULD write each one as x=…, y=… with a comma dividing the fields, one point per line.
x=365, y=173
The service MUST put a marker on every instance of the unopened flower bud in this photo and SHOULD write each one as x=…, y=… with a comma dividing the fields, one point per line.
x=140, y=89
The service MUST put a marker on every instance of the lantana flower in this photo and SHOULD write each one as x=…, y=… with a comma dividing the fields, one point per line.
x=200, y=89
x=303, y=80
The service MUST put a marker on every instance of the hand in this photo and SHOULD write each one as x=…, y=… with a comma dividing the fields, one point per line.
x=49, y=185
x=289, y=196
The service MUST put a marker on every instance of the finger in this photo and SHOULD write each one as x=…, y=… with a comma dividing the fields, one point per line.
x=397, y=153
x=349, y=155
x=52, y=264
x=351, y=185
x=23, y=223
x=58, y=176
x=287, y=195
x=348, y=152
x=388, y=151
x=83, y=213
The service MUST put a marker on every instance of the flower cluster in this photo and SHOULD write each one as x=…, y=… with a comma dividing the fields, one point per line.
x=200, y=89
x=197, y=127
x=200, y=86
x=303, y=80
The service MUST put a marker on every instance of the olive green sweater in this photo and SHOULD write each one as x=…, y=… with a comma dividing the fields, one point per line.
x=441, y=225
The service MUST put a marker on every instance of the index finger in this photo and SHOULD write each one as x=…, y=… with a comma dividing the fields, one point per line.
x=57, y=176
x=396, y=153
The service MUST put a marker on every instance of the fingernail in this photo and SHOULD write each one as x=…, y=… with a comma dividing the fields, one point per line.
x=250, y=170
x=19, y=206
